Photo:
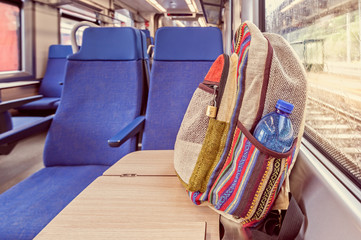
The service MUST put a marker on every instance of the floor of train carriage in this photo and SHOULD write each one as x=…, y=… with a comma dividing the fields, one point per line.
x=24, y=160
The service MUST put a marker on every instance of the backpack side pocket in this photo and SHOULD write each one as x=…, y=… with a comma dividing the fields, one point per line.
x=250, y=178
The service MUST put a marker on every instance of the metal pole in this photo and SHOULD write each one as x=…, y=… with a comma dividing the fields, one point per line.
x=359, y=25
x=228, y=27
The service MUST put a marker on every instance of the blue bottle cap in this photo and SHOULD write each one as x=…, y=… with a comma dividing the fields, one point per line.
x=284, y=106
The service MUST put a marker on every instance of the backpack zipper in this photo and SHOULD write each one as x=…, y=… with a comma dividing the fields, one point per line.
x=223, y=81
x=218, y=90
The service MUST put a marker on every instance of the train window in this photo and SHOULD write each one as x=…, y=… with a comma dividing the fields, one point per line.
x=123, y=18
x=10, y=37
x=66, y=24
x=69, y=16
x=326, y=35
x=180, y=21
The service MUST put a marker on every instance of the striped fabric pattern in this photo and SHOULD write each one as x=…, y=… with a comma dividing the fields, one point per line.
x=248, y=176
x=242, y=40
x=246, y=181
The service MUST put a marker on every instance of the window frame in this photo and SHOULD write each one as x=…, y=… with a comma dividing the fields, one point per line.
x=317, y=154
x=63, y=14
x=349, y=180
x=26, y=43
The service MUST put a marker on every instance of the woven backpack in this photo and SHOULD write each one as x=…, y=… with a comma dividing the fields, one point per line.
x=216, y=157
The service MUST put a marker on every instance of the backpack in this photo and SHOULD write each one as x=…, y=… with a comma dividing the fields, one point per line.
x=216, y=157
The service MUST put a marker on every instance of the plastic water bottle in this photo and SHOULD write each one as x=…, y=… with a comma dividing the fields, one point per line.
x=275, y=130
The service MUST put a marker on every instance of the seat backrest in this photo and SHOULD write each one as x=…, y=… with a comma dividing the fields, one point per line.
x=101, y=95
x=147, y=35
x=55, y=70
x=144, y=44
x=182, y=58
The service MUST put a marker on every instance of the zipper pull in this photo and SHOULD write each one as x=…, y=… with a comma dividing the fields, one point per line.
x=212, y=109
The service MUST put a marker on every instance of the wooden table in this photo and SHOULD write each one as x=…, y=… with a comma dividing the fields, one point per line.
x=144, y=163
x=147, y=205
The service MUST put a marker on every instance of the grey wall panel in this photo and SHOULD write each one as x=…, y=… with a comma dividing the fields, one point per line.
x=332, y=211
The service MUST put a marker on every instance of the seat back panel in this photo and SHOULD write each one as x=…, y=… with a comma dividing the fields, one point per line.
x=168, y=101
x=54, y=75
x=99, y=99
x=182, y=59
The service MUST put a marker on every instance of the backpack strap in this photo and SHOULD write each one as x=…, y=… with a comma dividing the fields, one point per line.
x=291, y=225
x=266, y=74
x=293, y=221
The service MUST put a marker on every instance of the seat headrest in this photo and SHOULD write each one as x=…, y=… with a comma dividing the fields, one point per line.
x=147, y=32
x=188, y=43
x=110, y=43
x=59, y=51
x=144, y=45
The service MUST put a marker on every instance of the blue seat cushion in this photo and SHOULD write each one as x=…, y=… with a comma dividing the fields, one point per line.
x=29, y=206
x=146, y=32
x=170, y=92
x=188, y=44
x=24, y=122
x=144, y=45
x=46, y=103
x=59, y=51
x=55, y=73
x=56, y=104
x=100, y=98
x=108, y=43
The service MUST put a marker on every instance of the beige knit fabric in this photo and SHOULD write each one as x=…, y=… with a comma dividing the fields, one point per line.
x=252, y=212
x=229, y=97
x=216, y=136
x=254, y=76
x=288, y=82
x=193, y=129
x=191, y=134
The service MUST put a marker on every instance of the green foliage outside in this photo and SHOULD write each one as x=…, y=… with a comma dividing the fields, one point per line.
x=333, y=31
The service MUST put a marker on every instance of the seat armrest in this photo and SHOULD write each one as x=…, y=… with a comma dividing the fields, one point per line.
x=26, y=130
x=4, y=106
x=129, y=131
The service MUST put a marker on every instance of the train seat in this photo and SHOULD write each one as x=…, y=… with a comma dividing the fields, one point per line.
x=182, y=58
x=102, y=94
x=50, y=86
x=13, y=129
x=148, y=37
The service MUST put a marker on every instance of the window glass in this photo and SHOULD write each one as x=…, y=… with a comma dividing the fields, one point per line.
x=123, y=18
x=71, y=15
x=169, y=21
x=326, y=35
x=66, y=24
x=9, y=37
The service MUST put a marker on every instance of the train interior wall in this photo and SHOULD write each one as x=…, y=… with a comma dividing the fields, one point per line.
x=331, y=210
x=46, y=33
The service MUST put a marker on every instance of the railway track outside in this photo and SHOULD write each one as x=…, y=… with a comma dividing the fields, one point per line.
x=338, y=130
